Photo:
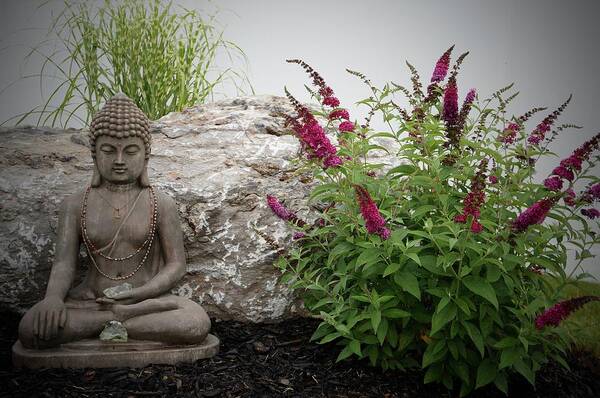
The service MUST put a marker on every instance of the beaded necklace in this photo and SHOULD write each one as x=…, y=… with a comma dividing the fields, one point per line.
x=92, y=249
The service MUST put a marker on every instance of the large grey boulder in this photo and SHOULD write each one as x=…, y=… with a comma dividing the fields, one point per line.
x=219, y=161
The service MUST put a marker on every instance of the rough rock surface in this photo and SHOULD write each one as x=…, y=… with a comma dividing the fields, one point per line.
x=219, y=161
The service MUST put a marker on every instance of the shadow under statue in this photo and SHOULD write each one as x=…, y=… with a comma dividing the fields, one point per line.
x=134, y=241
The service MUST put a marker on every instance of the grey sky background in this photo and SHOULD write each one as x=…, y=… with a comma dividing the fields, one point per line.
x=548, y=48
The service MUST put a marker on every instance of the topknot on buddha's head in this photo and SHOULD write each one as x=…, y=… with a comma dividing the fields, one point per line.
x=120, y=118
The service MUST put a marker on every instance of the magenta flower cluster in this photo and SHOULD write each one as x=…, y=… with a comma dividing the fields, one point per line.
x=279, y=209
x=566, y=171
x=591, y=194
x=450, y=109
x=535, y=214
x=441, y=67
x=346, y=126
x=374, y=221
x=312, y=136
x=474, y=199
x=282, y=212
x=509, y=135
x=339, y=114
x=554, y=315
x=553, y=183
x=590, y=213
x=539, y=133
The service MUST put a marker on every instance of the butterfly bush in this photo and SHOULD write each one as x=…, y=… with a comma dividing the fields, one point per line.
x=449, y=255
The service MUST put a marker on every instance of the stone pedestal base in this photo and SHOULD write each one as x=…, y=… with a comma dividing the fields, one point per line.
x=94, y=353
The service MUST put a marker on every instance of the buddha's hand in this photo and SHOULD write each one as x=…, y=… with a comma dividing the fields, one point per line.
x=129, y=297
x=49, y=315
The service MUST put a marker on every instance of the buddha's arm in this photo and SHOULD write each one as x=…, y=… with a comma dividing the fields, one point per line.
x=50, y=314
x=171, y=241
x=67, y=249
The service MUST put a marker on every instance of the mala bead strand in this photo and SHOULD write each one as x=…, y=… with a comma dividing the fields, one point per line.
x=149, y=236
x=148, y=242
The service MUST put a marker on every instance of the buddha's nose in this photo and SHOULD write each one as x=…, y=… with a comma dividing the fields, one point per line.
x=119, y=159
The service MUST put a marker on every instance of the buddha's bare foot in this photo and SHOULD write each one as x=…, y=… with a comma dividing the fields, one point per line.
x=124, y=312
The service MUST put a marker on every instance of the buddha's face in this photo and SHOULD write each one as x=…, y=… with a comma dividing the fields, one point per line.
x=120, y=160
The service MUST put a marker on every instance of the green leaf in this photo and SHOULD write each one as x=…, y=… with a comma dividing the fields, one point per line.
x=501, y=383
x=403, y=169
x=330, y=337
x=355, y=347
x=525, y=370
x=396, y=313
x=509, y=356
x=346, y=352
x=475, y=335
x=409, y=283
x=368, y=256
x=482, y=288
x=375, y=319
x=382, y=330
x=390, y=269
x=419, y=211
x=361, y=298
x=434, y=373
x=442, y=318
x=486, y=373
x=414, y=257
x=341, y=248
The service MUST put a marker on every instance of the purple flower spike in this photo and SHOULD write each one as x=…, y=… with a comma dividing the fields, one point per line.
x=535, y=214
x=441, y=67
x=590, y=213
x=279, y=209
x=373, y=219
x=450, y=111
x=554, y=184
x=346, y=126
x=554, y=315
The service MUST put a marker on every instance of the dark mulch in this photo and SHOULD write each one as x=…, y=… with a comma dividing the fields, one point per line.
x=274, y=360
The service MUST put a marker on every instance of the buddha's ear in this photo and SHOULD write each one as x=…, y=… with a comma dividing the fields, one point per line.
x=144, y=179
x=96, y=178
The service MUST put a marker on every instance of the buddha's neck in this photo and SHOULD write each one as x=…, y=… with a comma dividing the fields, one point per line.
x=119, y=187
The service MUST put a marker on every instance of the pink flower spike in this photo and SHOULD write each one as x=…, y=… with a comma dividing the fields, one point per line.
x=509, y=134
x=564, y=173
x=373, y=220
x=476, y=227
x=332, y=161
x=569, y=197
x=591, y=213
x=535, y=214
x=384, y=233
x=298, y=235
x=450, y=111
x=441, y=66
x=279, y=210
x=554, y=184
x=346, y=126
x=493, y=179
x=339, y=114
x=326, y=91
x=554, y=315
x=460, y=218
x=331, y=101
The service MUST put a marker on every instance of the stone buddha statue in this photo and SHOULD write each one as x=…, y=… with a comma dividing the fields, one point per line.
x=133, y=238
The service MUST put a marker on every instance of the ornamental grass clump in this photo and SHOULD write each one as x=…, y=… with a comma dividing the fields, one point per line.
x=444, y=261
x=163, y=59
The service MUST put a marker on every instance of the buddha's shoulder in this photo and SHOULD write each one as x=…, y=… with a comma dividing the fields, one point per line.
x=73, y=201
x=164, y=200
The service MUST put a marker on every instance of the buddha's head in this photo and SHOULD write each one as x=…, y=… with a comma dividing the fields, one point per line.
x=120, y=143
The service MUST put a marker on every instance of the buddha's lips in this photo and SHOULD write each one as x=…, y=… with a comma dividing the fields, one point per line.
x=119, y=169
